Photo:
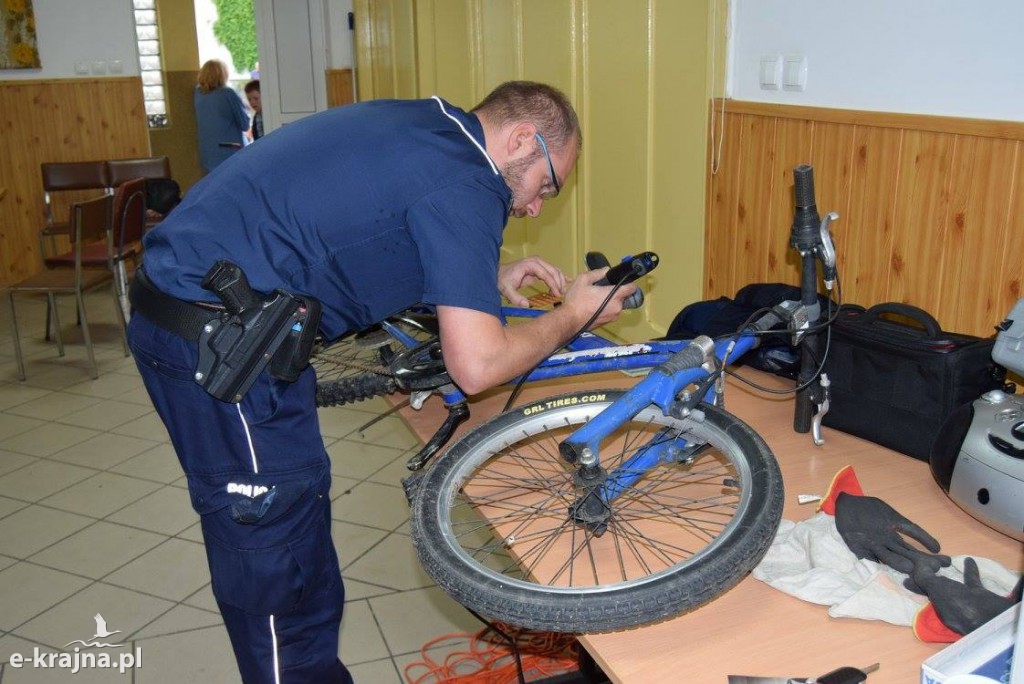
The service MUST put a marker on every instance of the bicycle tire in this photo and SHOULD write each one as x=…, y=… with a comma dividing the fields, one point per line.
x=354, y=388
x=466, y=535
x=356, y=367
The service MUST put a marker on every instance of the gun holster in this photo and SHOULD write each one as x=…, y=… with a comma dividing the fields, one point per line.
x=253, y=332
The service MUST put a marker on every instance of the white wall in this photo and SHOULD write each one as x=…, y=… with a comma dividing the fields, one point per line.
x=87, y=33
x=339, y=37
x=944, y=57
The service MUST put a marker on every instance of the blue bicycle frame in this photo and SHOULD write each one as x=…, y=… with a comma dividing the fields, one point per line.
x=588, y=353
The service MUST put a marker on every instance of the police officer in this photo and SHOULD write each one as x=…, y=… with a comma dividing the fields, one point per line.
x=370, y=209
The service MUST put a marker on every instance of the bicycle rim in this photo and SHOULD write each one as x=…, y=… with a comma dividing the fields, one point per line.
x=493, y=525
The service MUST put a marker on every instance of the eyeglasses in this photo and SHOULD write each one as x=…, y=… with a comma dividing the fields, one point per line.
x=551, y=169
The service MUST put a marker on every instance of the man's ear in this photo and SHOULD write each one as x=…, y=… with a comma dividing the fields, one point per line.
x=521, y=142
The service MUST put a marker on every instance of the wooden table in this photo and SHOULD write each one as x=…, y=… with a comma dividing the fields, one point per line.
x=755, y=629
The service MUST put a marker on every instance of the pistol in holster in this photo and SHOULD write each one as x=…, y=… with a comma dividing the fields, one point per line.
x=253, y=332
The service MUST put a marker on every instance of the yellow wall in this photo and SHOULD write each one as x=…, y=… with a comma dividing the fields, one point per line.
x=638, y=74
x=178, y=141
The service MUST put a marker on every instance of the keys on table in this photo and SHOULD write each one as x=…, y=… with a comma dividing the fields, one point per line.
x=842, y=675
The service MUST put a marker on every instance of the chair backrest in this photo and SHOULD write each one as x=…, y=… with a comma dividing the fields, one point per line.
x=91, y=175
x=129, y=219
x=66, y=176
x=121, y=170
x=90, y=220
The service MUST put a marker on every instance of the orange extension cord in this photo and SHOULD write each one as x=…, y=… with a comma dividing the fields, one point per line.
x=488, y=659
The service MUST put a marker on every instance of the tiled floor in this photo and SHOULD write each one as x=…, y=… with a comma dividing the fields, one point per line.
x=95, y=518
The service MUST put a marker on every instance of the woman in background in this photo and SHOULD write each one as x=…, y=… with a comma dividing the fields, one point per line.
x=220, y=115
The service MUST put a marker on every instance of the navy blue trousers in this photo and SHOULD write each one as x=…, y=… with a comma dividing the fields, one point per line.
x=259, y=477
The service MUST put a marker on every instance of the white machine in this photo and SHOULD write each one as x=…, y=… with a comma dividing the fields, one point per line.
x=978, y=458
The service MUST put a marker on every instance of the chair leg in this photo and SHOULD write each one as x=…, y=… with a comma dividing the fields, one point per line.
x=49, y=310
x=51, y=304
x=80, y=301
x=115, y=290
x=17, y=338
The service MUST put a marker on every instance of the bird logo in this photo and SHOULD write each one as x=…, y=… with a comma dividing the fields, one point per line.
x=101, y=633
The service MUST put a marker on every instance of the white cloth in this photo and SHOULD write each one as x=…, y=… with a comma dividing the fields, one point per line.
x=811, y=561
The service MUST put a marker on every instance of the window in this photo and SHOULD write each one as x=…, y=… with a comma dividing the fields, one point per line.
x=147, y=34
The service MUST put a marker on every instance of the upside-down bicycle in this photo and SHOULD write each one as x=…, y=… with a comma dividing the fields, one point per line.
x=596, y=510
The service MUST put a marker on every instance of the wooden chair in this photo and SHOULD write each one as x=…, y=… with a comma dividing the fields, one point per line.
x=127, y=228
x=64, y=182
x=90, y=223
x=121, y=170
x=65, y=177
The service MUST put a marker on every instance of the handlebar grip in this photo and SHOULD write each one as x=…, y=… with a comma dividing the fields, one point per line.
x=631, y=268
x=803, y=184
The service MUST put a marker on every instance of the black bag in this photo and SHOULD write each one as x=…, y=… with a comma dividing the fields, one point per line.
x=162, y=195
x=894, y=383
x=724, y=316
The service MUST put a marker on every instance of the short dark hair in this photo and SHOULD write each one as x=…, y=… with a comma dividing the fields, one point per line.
x=545, y=106
x=252, y=85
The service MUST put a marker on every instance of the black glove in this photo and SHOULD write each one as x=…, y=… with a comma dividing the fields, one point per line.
x=871, y=528
x=961, y=607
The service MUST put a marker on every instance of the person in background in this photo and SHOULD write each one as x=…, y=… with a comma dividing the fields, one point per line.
x=252, y=94
x=220, y=115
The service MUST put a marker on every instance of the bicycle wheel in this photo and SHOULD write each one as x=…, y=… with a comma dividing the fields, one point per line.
x=356, y=367
x=492, y=521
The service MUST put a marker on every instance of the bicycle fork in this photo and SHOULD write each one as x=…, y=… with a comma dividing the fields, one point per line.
x=596, y=487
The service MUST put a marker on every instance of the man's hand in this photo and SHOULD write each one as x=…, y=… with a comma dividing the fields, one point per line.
x=479, y=352
x=584, y=298
x=519, y=274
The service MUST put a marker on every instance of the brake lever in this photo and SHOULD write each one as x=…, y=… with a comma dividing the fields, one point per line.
x=827, y=250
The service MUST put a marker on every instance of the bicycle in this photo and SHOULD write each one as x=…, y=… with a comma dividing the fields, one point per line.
x=595, y=510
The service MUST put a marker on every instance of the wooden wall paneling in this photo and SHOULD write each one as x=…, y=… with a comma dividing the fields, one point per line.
x=793, y=141
x=753, y=208
x=58, y=120
x=339, y=87
x=1011, y=267
x=676, y=190
x=545, y=56
x=615, y=119
x=920, y=225
x=723, y=211
x=832, y=159
x=931, y=212
x=977, y=233
x=455, y=55
x=868, y=225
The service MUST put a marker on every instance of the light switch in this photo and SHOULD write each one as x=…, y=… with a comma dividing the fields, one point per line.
x=771, y=72
x=794, y=75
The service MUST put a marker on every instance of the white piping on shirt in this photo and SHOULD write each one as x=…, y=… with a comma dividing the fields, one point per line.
x=471, y=138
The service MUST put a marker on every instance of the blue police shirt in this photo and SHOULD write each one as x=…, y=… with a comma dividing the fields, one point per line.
x=370, y=208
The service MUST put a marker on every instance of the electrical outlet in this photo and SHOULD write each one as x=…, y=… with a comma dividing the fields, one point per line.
x=99, y=67
x=82, y=68
x=115, y=66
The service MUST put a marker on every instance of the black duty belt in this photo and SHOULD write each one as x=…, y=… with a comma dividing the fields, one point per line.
x=170, y=313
